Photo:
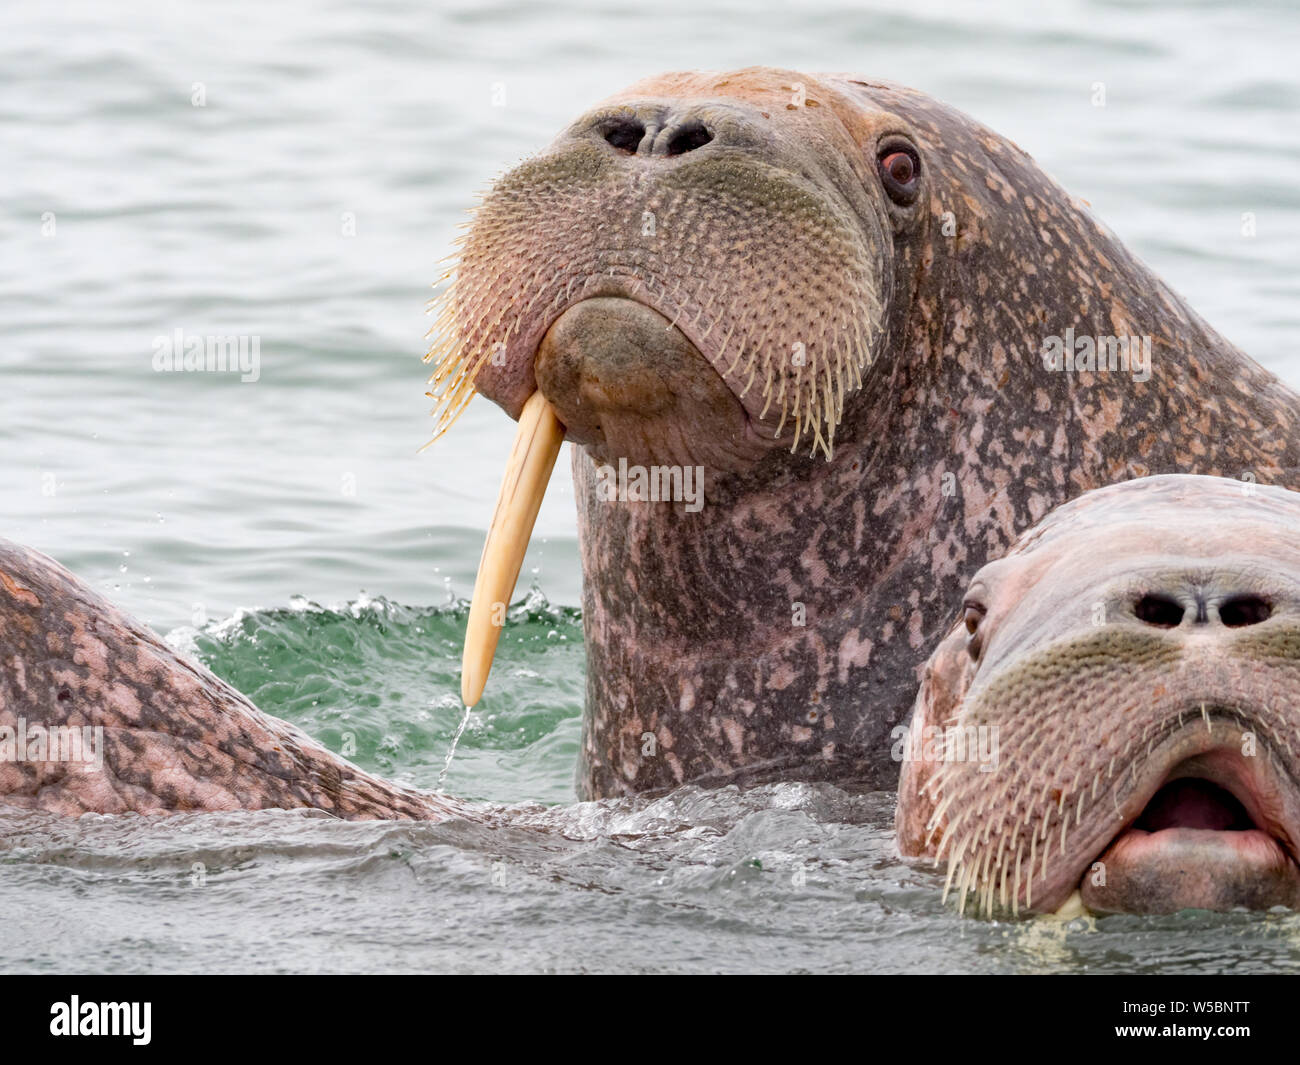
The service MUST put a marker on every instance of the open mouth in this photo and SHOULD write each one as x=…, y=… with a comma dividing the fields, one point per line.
x=1193, y=802
x=1209, y=837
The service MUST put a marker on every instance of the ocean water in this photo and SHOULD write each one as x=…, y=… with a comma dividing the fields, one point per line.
x=295, y=172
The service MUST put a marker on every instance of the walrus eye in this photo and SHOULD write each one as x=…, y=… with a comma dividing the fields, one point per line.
x=973, y=614
x=900, y=169
x=899, y=166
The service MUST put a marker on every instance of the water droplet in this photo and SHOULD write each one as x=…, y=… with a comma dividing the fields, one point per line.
x=451, y=753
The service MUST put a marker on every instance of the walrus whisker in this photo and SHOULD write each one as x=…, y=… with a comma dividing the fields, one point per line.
x=963, y=886
x=722, y=351
x=1029, y=878
x=1015, y=890
x=953, y=864
x=748, y=384
x=949, y=835
x=986, y=885
x=960, y=886
x=937, y=817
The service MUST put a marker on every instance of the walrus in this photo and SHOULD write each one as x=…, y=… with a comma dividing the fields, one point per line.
x=882, y=338
x=98, y=715
x=1114, y=712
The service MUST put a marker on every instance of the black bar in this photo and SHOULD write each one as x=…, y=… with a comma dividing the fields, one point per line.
x=341, y=1014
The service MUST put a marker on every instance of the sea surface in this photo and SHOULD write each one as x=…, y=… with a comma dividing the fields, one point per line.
x=295, y=172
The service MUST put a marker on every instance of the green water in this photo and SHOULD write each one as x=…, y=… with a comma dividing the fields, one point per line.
x=289, y=532
x=359, y=680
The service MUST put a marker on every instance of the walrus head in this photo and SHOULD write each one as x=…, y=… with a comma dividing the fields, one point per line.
x=1116, y=710
x=697, y=271
x=694, y=277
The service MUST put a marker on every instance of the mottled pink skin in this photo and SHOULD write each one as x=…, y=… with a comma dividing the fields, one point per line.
x=175, y=737
x=1096, y=706
x=957, y=438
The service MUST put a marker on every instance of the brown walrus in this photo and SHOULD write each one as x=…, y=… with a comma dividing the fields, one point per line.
x=98, y=715
x=1116, y=711
x=888, y=342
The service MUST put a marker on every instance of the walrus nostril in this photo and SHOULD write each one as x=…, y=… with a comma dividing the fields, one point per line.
x=1245, y=610
x=1159, y=610
x=688, y=138
x=625, y=134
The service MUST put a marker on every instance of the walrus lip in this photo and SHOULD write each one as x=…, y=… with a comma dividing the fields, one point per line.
x=1208, y=838
x=628, y=383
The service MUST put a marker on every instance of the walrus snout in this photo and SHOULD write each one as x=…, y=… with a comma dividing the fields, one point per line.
x=663, y=129
x=667, y=130
x=1200, y=604
x=1187, y=604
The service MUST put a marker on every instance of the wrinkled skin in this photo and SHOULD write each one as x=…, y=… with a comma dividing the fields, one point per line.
x=1137, y=656
x=656, y=271
x=174, y=737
